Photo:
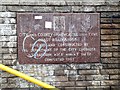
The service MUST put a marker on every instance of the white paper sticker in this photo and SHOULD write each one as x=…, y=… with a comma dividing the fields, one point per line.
x=38, y=17
x=48, y=24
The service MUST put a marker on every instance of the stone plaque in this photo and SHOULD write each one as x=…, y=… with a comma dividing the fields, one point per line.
x=58, y=38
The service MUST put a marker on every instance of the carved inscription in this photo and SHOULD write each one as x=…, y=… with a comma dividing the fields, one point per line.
x=58, y=38
x=59, y=23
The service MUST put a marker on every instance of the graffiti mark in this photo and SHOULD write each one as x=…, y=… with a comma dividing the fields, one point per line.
x=42, y=48
x=24, y=40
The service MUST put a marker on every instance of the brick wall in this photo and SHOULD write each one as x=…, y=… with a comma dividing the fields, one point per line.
x=88, y=76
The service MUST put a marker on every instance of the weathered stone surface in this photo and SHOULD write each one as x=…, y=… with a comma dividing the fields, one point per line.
x=109, y=37
x=7, y=85
x=108, y=8
x=75, y=88
x=110, y=26
x=110, y=31
x=4, y=80
x=0, y=63
x=8, y=32
x=55, y=78
x=115, y=87
x=59, y=72
x=83, y=9
x=116, y=42
x=76, y=77
x=106, y=43
x=9, y=50
x=63, y=9
x=116, y=54
x=9, y=44
x=7, y=14
x=61, y=2
x=98, y=87
x=1, y=56
x=0, y=80
x=30, y=8
x=106, y=31
x=8, y=38
x=116, y=31
x=9, y=62
x=24, y=84
x=110, y=60
x=112, y=48
x=88, y=72
x=96, y=66
x=110, y=14
x=97, y=77
x=10, y=56
x=2, y=8
x=55, y=2
x=7, y=20
x=9, y=2
x=64, y=84
x=72, y=72
x=87, y=83
x=106, y=54
x=6, y=75
x=0, y=48
x=7, y=26
x=41, y=2
x=110, y=20
x=82, y=66
x=12, y=80
x=114, y=77
x=110, y=82
x=110, y=71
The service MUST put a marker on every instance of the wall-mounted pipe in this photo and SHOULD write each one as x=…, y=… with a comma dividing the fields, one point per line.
x=26, y=77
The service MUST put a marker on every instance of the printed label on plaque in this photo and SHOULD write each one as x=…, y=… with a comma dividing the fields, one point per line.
x=58, y=38
x=48, y=24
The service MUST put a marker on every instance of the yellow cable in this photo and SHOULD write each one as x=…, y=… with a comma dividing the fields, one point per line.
x=28, y=78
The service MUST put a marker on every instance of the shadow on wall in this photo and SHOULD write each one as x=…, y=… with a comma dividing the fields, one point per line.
x=119, y=58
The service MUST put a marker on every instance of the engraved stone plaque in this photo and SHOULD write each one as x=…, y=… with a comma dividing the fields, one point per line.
x=51, y=38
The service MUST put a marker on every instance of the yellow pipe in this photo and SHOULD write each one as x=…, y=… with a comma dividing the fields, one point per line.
x=28, y=78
